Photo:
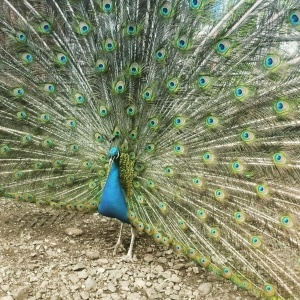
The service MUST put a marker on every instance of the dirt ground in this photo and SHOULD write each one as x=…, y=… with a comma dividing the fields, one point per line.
x=39, y=260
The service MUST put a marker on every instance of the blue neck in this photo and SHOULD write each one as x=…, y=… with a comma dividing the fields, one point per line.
x=113, y=203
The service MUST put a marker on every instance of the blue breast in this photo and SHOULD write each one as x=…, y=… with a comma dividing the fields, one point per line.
x=113, y=203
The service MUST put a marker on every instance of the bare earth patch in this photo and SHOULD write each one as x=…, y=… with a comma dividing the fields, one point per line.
x=48, y=254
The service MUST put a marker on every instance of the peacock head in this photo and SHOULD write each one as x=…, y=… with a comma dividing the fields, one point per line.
x=114, y=153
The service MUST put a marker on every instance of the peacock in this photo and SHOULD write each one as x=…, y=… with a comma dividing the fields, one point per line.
x=179, y=117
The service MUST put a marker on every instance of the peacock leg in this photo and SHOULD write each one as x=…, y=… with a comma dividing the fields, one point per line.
x=119, y=242
x=129, y=253
x=128, y=256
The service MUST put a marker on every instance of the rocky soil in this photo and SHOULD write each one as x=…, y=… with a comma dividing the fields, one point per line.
x=48, y=254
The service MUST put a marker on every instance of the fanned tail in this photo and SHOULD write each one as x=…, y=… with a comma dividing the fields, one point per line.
x=202, y=99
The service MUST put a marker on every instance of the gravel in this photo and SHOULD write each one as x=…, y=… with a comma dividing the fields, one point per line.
x=53, y=255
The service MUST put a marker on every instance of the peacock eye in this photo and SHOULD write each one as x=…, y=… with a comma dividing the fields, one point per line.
x=38, y=165
x=178, y=149
x=214, y=232
x=271, y=61
x=62, y=58
x=148, y=95
x=195, y=4
x=166, y=9
x=26, y=138
x=21, y=37
x=107, y=6
x=211, y=121
x=109, y=45
x=19, y=92
x=103, y=112
x=47, y=143
x=237, y=167
x=45, y=27
x=98, y=137
x=78, y=98
x=281, y=107
x=247, y=136
x=57, y=163
x=279, y=158
x=49, y=88
x=133, y=135
x=269, y=290
x=200, y=213
x=173, y=85
x=168, y=171
x=197, y=182
x=160, y=55
x=241, y=92
x=150, y=183
x=45, y=118
x=153, y=123
x=131, y=110
x=71, y=124
x=294, y=18
x=179, y=122
x=203, y=81
x=74, y=148
x=256, y=241
x=21, y=115
x=27, y=57
x=131, y=29
x=182, y=42
x=84, y=28
x=223, y=47
x=239, y=217
x=87, y=164
x=120, y=87
x=208, y=157
x=219, y=195
x=150, y=148
x=262, y=190
x=287, y=222
x=134, y=69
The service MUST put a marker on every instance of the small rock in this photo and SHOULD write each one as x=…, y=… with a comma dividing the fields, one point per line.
x=84, y=295
x=124, y=285
x=90, y=283
x=111, y=287
x=115, y=274
x=178, y=266
x=205, y=288
x=175, y=279
x=7, y=298
x=103, y=261
x=139, y=283
x=21, y=293
x=101, y=270
x=78, y=267
x=162, y=260
x=148, y=258
x=51, y=253
x=74, y=278
x=196, y=270
x=92, y=254
x=83, y=274
x=159, y=269
x=133, y=296
x=5, y=288
x=73, y=231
